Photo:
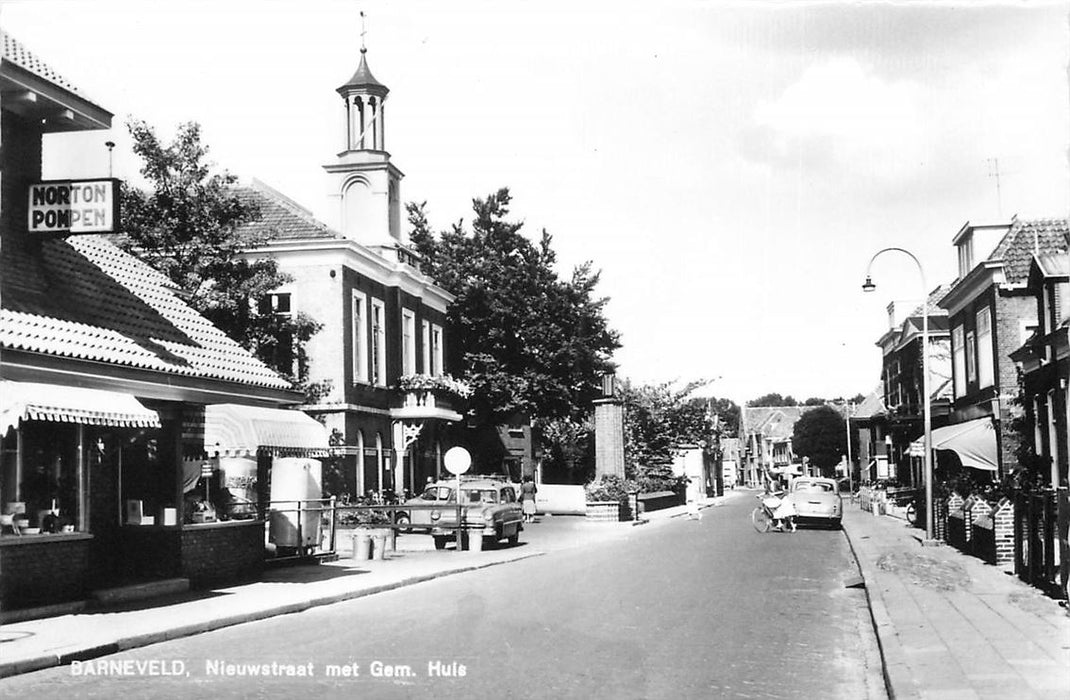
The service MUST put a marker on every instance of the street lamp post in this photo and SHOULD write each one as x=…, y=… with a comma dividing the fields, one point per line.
x=926, y=398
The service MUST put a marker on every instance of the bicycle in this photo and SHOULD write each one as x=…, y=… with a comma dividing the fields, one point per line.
x=762, y=518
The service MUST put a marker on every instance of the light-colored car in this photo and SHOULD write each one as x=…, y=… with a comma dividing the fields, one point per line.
x=817, y=499
x=489, y=508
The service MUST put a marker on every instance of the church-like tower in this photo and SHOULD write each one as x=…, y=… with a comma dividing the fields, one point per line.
x=367, y=186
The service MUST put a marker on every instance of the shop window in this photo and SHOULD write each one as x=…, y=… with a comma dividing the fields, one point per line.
x=42, y=491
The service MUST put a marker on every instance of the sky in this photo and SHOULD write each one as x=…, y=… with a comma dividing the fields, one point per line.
x=731, y=168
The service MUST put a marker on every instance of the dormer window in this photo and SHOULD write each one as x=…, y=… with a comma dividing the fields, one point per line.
x=965, y=256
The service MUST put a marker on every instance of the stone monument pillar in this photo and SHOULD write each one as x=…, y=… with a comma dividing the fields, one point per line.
x=608, y=430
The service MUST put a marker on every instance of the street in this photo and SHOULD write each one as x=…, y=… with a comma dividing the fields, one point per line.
x=677, y=608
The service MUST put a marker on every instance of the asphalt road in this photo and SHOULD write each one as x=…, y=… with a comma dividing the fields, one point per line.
x=676, y=609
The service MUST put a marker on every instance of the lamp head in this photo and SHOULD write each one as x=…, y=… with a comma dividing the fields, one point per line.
x=868, y=286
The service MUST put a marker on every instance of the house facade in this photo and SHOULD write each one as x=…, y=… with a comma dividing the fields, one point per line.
x=110, y=385
x=1044, y=361
x=902, y=382
x=380, y=356
x=992, y=313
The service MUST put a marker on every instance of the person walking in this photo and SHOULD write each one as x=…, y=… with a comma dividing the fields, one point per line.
x=527, y=498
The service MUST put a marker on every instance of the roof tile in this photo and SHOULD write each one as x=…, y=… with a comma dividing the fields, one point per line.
x=84, y=298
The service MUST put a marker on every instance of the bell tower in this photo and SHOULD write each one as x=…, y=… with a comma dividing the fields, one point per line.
x=366, y=185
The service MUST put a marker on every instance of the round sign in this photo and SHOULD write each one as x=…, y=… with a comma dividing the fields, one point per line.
x=457, y=460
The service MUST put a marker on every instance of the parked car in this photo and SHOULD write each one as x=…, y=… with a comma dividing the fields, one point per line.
x=489, y=507
x=817, y=500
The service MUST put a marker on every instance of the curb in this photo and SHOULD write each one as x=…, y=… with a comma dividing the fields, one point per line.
x=97, y=649
x=894, y=670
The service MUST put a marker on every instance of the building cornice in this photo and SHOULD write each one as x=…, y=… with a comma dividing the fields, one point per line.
x=327, y=251
x=986, y=274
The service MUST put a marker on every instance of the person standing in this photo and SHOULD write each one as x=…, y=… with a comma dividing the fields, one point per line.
x=527, y=498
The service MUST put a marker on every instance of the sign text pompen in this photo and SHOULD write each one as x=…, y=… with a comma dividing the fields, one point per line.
x=74, y=206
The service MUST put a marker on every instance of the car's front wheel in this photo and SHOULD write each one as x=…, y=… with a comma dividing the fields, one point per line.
x=440, y=541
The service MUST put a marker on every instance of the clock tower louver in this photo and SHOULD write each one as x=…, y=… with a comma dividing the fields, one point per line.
x=366, y=184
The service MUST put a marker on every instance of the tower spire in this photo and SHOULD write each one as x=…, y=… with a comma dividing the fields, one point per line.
x=363, y=31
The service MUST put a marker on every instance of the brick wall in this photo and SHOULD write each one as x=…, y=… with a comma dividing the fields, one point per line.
x=43, y=569
x=226, y=552
x=1003, y=528
x=609, y=438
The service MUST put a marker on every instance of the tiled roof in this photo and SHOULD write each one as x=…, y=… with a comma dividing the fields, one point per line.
x=872, y=405
x=934, y=298
x=281, y=219
x=84, y=298
x=14, y=51
x=771, y=421
x=1024, y=240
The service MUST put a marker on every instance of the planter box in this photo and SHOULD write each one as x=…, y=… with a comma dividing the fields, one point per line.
x=604, y=511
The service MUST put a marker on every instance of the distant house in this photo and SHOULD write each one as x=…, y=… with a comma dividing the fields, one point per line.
x=992, y=313
x=1044, y=360
x=765, y=440
x=869, y=428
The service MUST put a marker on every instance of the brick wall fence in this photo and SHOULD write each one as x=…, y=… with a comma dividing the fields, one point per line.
x=42, y=569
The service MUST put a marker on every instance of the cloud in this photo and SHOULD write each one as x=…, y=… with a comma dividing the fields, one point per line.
x=840, y=116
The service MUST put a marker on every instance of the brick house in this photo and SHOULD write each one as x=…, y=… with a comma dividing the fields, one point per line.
x=382, y=348
x=992, y=314
x=765, y=440
x=1044, y=361
x=109, y=384
x=902, y=381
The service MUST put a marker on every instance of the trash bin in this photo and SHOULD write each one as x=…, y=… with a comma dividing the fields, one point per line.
x=379, y=546
x=475, y=540
x=362, y=546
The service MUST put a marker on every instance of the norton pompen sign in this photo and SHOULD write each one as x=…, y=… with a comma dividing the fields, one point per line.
x=74, y=206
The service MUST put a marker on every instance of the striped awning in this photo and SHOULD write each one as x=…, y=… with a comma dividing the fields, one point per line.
x=232, y=430
x=21, y=401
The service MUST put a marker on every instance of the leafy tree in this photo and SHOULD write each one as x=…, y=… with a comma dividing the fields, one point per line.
x=568, y=450
x=814, y=401
x=773, y=400
x=821, y=435
x=657, y=419
x=526, y=340
x=189, y=227
x=857, y=399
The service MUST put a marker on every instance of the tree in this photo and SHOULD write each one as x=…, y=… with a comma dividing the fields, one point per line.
x=814, y=401
x=773, y=400
x=189, y=226
x=524, y=339
x=821, y=435
x=657, y=419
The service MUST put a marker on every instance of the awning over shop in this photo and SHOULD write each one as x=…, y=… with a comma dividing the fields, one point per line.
x=974, y=441
x=21, y=401
x=231, y=430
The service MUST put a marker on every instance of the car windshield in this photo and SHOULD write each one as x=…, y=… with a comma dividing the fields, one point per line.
x=480, y=495
x=435, y=493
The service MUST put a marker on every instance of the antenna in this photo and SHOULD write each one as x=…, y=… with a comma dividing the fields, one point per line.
x=363, y=31
x=993, y=171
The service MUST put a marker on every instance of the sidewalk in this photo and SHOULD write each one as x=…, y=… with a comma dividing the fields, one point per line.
x=36, y=644
x=951, y=626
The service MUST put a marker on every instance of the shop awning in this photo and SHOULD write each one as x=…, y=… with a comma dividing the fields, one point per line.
x=231, y=430
x=21, y=401
x=974, y=441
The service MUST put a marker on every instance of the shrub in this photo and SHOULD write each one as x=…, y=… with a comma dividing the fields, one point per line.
x=609, y=488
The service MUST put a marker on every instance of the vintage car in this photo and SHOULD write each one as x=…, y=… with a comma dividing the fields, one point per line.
x=489, y=507
x=816, y=500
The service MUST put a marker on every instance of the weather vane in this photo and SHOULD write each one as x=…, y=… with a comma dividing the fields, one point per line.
x=363, y=31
